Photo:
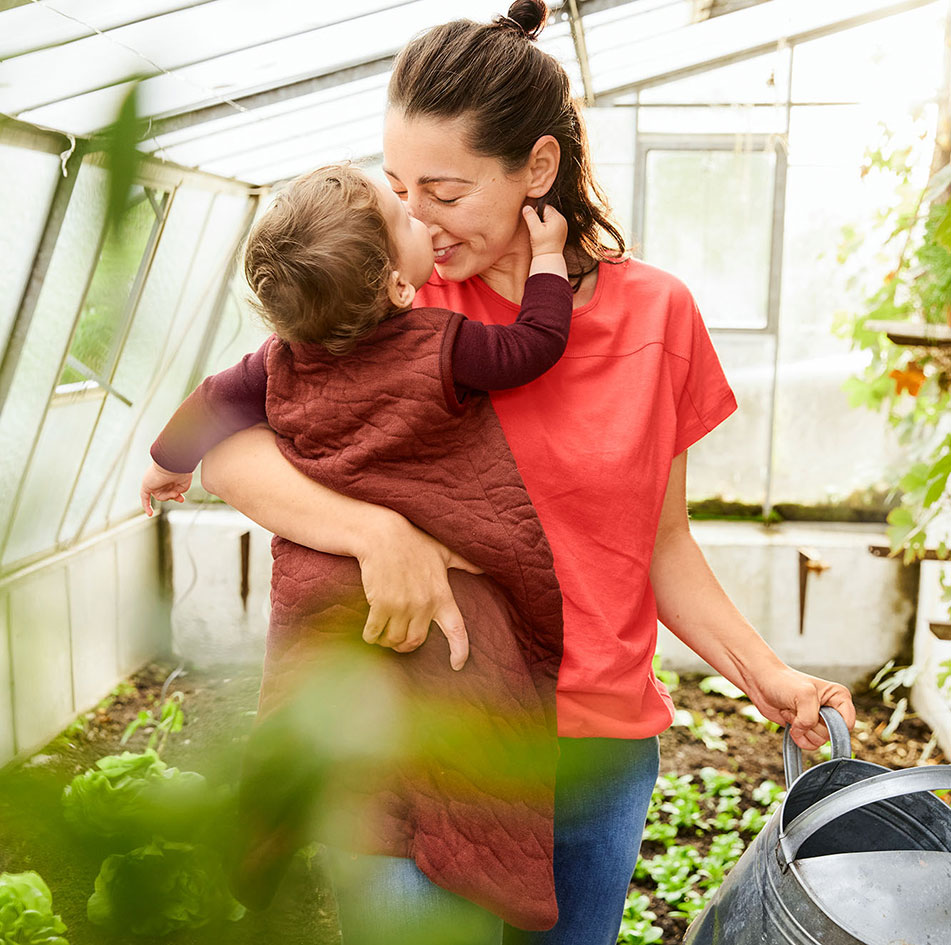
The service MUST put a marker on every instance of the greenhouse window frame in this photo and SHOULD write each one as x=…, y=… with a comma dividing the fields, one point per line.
x=103, y=377
x=71, y=154
x=764, y=144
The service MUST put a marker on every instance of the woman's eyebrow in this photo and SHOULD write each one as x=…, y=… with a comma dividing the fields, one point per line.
x=431, y=179
x=428, y=179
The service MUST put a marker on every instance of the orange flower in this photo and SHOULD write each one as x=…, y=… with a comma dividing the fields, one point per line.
x=910, y=379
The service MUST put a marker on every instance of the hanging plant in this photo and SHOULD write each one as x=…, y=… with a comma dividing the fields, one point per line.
x=909, y=375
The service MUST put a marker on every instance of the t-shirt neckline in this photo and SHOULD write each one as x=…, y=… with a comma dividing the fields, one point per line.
x=497, y=299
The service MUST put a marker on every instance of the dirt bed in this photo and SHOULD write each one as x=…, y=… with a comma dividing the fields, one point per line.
x=219, y=711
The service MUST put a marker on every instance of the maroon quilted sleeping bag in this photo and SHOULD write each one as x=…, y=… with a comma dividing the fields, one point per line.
x=472, y=803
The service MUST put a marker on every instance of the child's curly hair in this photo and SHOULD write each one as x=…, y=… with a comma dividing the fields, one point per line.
x=320, y=258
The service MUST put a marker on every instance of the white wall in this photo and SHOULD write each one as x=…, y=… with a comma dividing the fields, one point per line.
x=211, y=623
x=858, y=612
x=857, y=616
x=73, y=626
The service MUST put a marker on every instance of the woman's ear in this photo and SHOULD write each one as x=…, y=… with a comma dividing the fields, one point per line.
x=543, y=165
x=400, y=291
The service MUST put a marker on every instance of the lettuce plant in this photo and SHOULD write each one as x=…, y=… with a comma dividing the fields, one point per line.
x=161, y=888
x=133, y=796
x=26, y=911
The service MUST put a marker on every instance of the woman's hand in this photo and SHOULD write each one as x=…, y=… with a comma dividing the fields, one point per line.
x=405, y=579
x=403, y=568
x=788, y=697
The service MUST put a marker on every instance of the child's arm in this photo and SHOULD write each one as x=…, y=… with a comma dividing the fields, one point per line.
x=221, y=405
x=496, y=357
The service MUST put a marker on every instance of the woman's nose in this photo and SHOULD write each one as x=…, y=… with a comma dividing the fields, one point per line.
x=416, y=209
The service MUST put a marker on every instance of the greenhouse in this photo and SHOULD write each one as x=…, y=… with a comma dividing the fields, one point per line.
x=788, y=160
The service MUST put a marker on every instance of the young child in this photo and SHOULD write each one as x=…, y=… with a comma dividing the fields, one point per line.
x=373, y=399
x=335, y=255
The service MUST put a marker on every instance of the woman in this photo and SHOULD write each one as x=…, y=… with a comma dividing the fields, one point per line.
x=480, y=122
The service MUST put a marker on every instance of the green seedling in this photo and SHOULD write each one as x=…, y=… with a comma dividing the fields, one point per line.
x=170, y=719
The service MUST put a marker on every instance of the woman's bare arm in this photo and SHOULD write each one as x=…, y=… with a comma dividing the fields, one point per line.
x=694, y=606
x=403, y=568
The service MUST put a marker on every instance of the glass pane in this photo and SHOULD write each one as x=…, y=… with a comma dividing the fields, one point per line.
x=826, y=191
x=626, y=23
x=748, y=362
x=708, y=218
x=106, y=306
x=264, y=66
x=241, y=329
x=50, y=477
x=763, y=79
x=621, y=56
x=710, y=119
x=339, y=96
x=27, y=183
x=611, y=135
x=158, y=358
x=33, y=25
x=163, y=321
x=235, y=337
x=324, y=146
x=49, y=334
x=295, y=162
x=898, y=58
x=333, y=116
x=175, y=41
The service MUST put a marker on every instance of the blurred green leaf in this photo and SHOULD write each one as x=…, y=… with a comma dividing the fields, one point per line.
x=942, y=233
x=123, y=157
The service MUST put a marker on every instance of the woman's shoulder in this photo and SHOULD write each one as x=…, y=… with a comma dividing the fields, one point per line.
x=632, y=281
x=635, y=304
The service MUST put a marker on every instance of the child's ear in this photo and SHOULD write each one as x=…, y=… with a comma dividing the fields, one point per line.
x=400, y=291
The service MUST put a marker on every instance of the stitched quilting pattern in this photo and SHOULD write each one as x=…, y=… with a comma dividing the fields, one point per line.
x=470, y=793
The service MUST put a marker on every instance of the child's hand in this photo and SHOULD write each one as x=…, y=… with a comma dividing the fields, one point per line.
x=548, y=232
x=164, y=485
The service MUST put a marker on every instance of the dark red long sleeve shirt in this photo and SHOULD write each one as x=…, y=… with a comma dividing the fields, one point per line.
x=484, y=358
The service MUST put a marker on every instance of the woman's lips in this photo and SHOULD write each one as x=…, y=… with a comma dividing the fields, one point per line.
x=444, y=253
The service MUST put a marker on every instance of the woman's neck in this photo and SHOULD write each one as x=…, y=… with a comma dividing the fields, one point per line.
x=508, y=274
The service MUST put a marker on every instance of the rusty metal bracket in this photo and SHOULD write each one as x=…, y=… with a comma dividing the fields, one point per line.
x=809, y=563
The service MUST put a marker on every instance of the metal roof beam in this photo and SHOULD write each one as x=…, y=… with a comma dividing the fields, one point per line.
x=581, y=50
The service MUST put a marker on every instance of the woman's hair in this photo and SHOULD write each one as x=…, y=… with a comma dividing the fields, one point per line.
x=510, y=94
x=319, y=259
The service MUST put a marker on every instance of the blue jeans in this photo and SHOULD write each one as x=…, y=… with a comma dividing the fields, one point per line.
x=602, y=793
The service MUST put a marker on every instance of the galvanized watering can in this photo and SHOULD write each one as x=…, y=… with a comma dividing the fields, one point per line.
x=856, y=855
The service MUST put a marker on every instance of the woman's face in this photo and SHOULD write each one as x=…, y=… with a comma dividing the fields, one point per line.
x=471, y=207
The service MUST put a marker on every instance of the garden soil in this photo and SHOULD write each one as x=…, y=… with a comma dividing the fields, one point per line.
x=219, y=709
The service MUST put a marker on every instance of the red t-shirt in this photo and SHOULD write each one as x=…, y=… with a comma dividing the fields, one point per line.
x=593, y=439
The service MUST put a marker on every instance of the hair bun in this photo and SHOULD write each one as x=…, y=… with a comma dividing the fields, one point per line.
x=528, y=16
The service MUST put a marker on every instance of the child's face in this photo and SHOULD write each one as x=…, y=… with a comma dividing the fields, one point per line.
x=410, y=237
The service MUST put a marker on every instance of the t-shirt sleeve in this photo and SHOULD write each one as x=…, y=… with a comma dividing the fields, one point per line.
x=705, y=399
x=221, y=405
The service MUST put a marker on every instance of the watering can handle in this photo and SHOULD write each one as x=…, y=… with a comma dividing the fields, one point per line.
x=841, y=744
x=878, y=788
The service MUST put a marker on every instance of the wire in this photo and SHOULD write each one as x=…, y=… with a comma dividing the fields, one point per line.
x=216, y=96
